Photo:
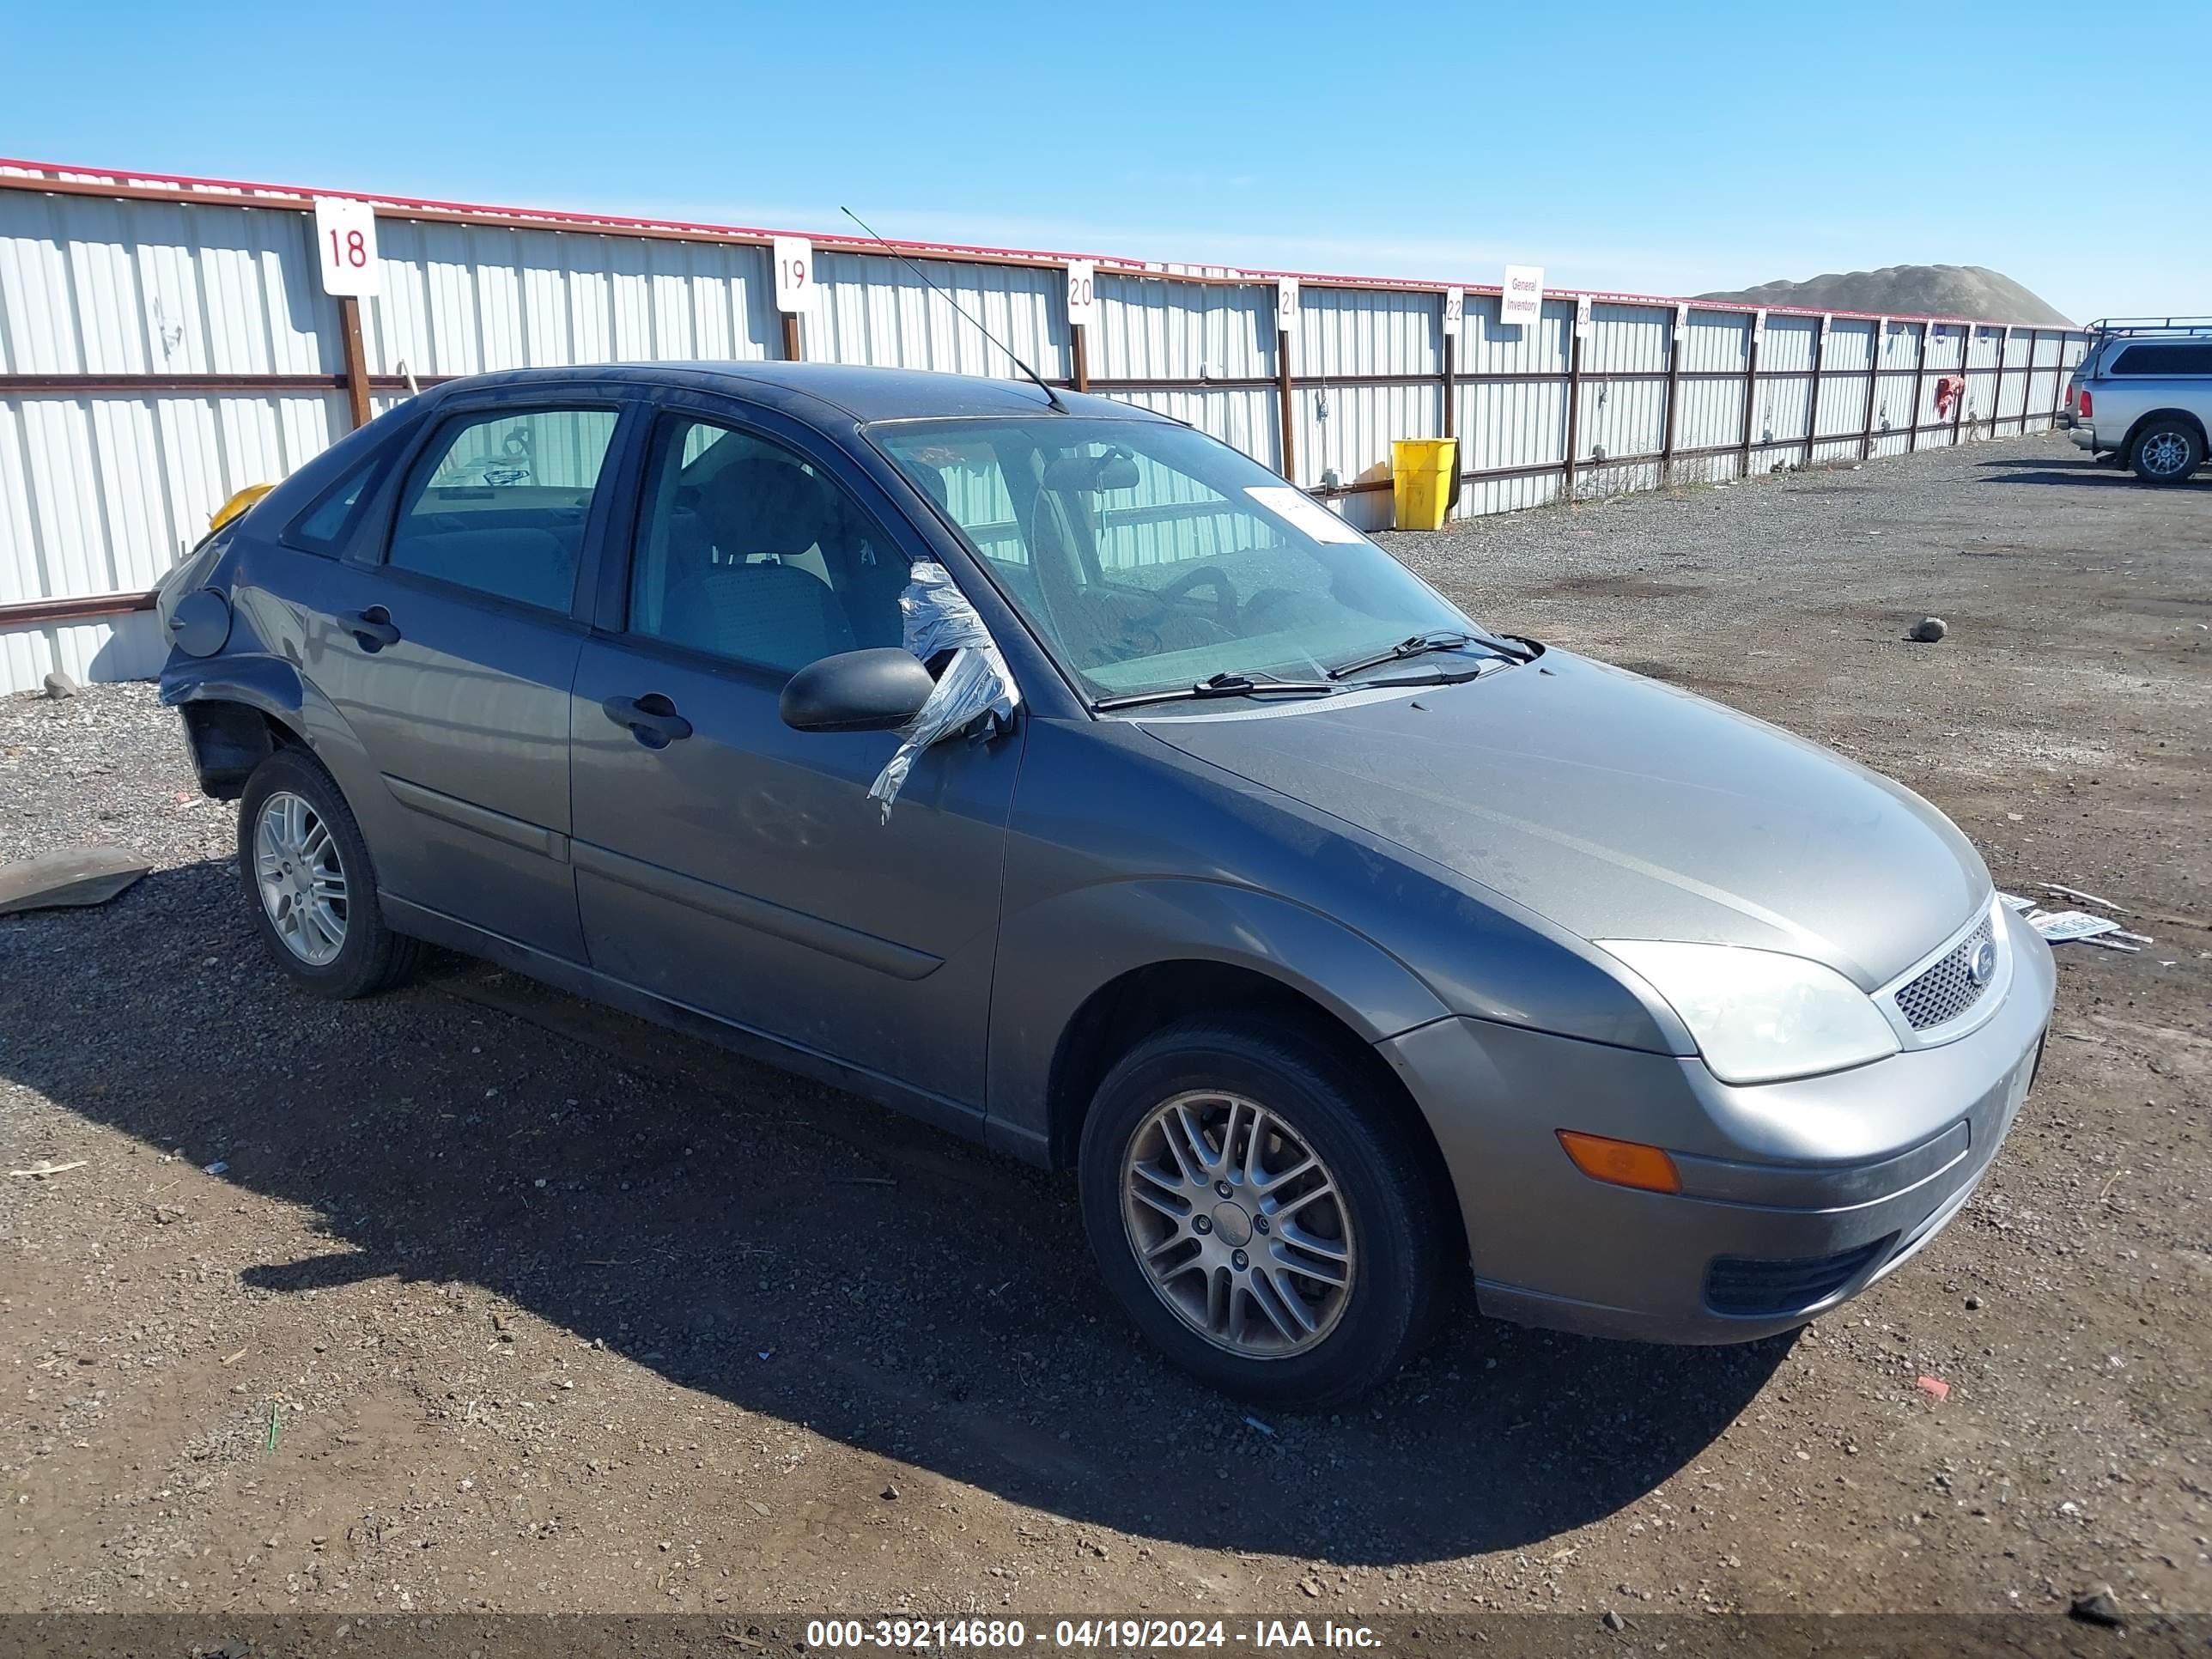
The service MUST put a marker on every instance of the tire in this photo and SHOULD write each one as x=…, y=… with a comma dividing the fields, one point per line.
x=298, y=797
x=1390, y=1214
x=2166, y=451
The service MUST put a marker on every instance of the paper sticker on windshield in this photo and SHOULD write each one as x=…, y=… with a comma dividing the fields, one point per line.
x=1303, y=513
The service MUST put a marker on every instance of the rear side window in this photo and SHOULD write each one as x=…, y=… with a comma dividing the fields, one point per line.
x=499, y=502
x=323, y=525
x=2162, y=357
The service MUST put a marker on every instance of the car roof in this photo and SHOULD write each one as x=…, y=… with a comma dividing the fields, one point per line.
x=865, y=394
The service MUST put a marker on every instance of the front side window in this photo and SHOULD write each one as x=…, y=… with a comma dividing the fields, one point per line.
x=747, y=552
x=499, y=503
x=1150, y=556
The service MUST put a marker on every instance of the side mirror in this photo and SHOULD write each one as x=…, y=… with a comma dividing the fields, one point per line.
x=877, y=690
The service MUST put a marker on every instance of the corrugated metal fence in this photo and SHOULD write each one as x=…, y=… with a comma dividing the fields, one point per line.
x=166, y=342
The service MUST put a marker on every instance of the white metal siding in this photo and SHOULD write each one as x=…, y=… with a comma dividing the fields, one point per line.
x=101, y=490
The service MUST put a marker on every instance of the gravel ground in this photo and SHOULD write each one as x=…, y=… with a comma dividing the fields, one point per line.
x=502, y=1301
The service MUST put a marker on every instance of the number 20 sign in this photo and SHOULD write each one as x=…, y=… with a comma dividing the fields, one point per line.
x=345, y=243
x=1082, y=291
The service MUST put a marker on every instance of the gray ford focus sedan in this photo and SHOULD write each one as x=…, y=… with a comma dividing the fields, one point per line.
x=1036, y=764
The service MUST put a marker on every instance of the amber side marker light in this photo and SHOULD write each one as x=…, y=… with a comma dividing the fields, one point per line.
x=1621, y=1163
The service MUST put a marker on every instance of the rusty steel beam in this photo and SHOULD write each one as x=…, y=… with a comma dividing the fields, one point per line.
x=1750, y=396
x=1813, y=402
x=1284, y=403
x=1667, y=415
x=1450, y=381
x=1919, y=383
x=1078, y=356
x=23, y=612
x=356, y=359
x=1574, y=402
x=793, y=351
x=1880, y=339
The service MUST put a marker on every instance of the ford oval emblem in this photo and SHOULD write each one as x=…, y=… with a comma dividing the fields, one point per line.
x=1984, y=968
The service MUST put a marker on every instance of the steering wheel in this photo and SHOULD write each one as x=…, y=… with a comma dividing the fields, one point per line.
x=1209, y=575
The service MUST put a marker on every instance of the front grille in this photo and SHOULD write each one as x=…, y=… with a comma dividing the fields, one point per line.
x=1738, y=1284
x=1947, y=990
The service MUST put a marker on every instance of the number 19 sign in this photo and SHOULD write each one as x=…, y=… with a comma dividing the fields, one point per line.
x=345, y=242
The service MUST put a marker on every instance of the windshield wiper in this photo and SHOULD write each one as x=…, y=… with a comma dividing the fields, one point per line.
x=1420, y=646
x=1224, y=685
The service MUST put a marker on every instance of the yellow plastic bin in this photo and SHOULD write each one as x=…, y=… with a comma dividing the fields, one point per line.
x=1424, y=479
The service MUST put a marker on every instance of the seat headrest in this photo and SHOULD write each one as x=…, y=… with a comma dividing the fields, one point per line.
x=759, y=505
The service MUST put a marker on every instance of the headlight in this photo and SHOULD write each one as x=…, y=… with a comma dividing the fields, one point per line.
x=1759, y=1016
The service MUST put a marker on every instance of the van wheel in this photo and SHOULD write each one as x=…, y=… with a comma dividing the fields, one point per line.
x=308, y=884
x=1277, y=1233
x=2166, y=451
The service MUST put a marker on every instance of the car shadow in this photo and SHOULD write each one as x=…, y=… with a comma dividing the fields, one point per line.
x=2007, y=470
x=793, y=1250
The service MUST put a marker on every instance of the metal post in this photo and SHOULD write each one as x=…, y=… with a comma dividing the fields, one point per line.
x=791, y=353
x=1078, y=357
x=356, y=359
x=1451, y=381
x=1958, y=404
x=1574, y=400
x=1919, y=376
x=1812, y=401
x=2057, y=379
x=1282, y=398
x=1673, y=385
x=1874, y=344
x=1750, y=399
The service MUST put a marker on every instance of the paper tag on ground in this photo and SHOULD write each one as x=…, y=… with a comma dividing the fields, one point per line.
x=2059, y=926
x=1303, y=513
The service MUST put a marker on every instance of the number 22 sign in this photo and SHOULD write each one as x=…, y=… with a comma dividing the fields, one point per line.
x=345, y=243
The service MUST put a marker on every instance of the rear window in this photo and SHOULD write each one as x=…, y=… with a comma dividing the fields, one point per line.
x=498, y=504
x=2163, y=358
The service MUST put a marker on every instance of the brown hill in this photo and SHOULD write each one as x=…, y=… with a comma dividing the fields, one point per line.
x=1973, y=291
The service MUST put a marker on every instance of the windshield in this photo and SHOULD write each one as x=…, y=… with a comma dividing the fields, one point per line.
x=1150, y=556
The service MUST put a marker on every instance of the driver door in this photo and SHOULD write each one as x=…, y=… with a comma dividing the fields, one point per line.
x=732, y=865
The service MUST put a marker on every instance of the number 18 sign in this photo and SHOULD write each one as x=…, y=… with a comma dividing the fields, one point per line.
x=345, y=242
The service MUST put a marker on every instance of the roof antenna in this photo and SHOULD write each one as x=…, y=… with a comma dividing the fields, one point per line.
x=1050, y=396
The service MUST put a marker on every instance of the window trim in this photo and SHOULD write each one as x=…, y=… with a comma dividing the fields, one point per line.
x=444, y=421
x=612, y=618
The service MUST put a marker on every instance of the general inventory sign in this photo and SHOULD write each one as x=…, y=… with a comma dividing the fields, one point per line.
x=345, y=245
x=1523, y=298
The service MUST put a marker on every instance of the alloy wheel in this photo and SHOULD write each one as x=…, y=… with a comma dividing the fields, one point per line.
x=301, y=879
x=1239, y=1225
x=2165, y=453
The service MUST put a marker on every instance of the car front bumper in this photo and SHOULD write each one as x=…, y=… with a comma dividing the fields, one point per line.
x=1796, y=1195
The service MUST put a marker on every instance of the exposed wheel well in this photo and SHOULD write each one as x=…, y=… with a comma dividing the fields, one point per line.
x=1124, y=1012
x=2185, y=416
x=228, y=740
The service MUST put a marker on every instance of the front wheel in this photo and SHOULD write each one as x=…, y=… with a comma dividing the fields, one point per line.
x=310, y=889
x=2166, y=451
x=1274, y=1228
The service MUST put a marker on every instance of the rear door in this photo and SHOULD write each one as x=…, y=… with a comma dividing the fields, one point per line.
x=728, y=863
x=451, y=649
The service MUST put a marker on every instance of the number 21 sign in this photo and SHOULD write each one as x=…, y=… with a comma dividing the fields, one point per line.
x=345, y=243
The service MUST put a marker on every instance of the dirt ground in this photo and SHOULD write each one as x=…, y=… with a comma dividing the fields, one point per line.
x=496, y=1300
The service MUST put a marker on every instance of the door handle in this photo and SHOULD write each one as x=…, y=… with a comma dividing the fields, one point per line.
x=371, y=629
x=652, y=718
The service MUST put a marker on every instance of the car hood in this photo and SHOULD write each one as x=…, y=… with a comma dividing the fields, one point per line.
x=1619, y=807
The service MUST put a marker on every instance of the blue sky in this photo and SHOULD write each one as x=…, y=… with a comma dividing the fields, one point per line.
x=1651, y=148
